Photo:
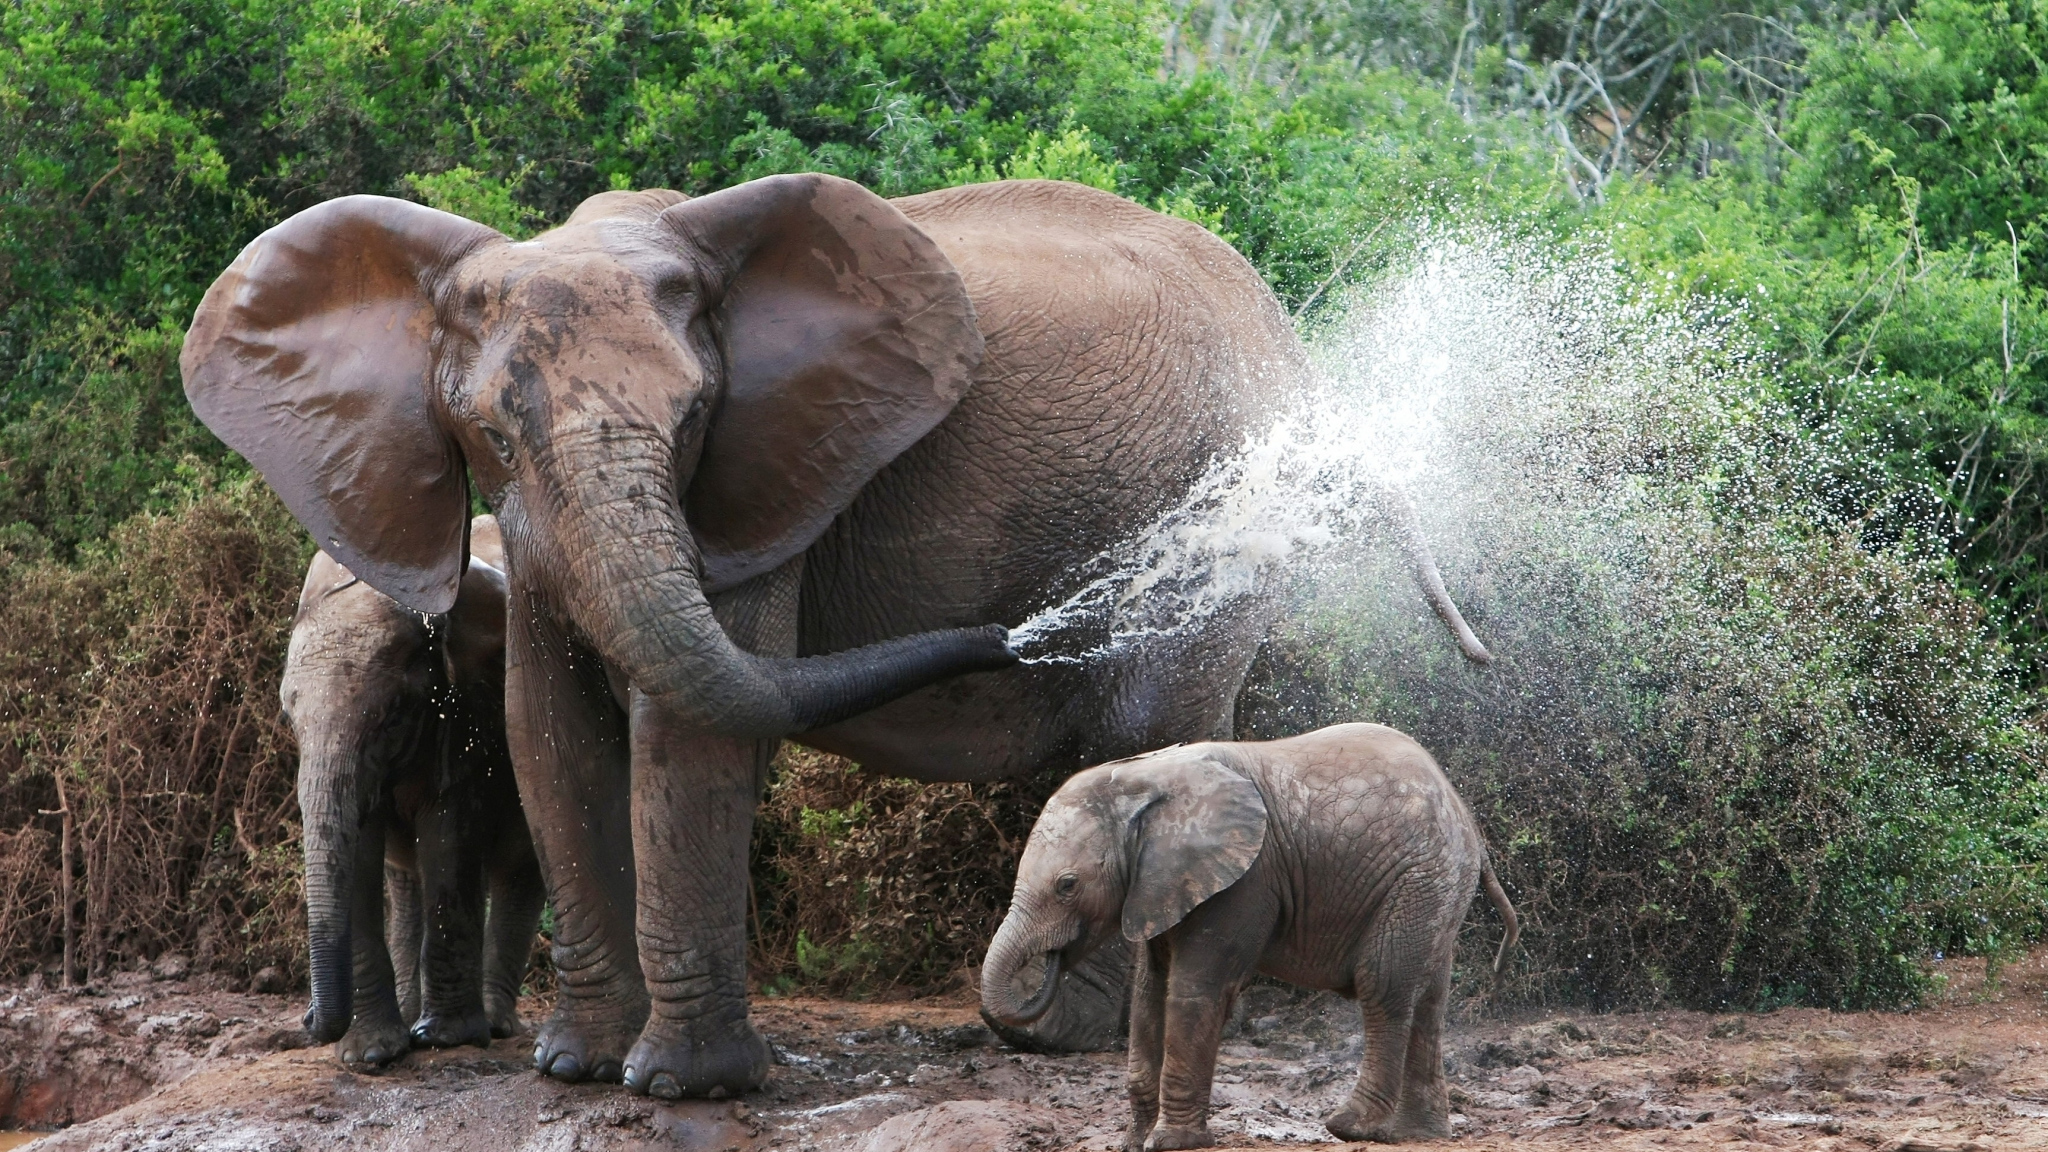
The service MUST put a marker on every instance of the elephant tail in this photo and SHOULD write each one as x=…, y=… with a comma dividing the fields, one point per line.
x=1499, y=899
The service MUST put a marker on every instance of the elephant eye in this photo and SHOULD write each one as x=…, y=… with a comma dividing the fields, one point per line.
x=499, y=444
x=1065, y=885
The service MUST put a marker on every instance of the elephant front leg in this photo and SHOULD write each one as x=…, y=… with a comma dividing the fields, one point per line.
x=1148, y=1038
x=570, y=758
x=1208, y=958
x=451, y=961
x=693, y=814
x=515, y=913
x=402, y=930
x=376, y=1035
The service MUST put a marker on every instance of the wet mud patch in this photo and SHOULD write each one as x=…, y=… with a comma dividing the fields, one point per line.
x=1968, y=1072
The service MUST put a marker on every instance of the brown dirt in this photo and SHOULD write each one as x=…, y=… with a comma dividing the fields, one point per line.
x=1968, y=1071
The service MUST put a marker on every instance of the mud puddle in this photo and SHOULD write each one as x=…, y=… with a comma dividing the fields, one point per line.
x=219, y=1071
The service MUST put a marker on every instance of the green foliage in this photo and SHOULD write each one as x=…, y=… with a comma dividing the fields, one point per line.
x=1881, y=271
x=1741, y=820
x=145, y=141
x=1949, y=109
x=74, y=465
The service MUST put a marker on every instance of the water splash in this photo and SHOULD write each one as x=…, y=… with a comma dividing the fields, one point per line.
x=1366, y=426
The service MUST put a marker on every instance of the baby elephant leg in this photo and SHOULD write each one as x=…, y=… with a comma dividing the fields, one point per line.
x=1388, y=1024
x=1148, y=1038
x=376, y=1035
x=516, y=897
x=1209, y=957
x=1424, y=1110
x=451, y=958
x=402, y=928
x=1402, y=983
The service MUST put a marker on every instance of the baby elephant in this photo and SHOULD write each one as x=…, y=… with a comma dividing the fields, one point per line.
x=405, y=782
x=1340, y=860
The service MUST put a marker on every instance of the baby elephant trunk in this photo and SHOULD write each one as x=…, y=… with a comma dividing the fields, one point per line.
x=1002, y=972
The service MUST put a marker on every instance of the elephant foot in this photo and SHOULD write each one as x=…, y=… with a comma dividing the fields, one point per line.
x=1347, y=1124
x=672, y=1061
x=503, y=1015
x=573, y=1049
x=1402, y=1131
x=372, y=1043
x=453, y=1029
x=1169, y=1136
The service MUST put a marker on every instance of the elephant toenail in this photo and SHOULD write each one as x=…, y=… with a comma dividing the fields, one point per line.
x=607, y=1070
x=566, y=1067
x=718, y=1092
x=665, y=1086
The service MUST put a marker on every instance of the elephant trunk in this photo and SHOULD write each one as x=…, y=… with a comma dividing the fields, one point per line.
x=1014, y=946
x=331, y=806
x=630, y=570
x=1422, y=565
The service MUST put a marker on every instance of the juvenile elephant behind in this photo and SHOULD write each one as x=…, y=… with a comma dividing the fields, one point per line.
x=405, y=783
x=1340, y=860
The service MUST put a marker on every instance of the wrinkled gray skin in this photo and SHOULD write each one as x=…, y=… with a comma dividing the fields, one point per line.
x=776, y=460
x=405, y=784
x=1341, y=860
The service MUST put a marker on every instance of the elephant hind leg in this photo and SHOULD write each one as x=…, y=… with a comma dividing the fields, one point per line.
x=1424, y=1110
x=1402, y=980
x=376, y=1035
x=1373, y=1099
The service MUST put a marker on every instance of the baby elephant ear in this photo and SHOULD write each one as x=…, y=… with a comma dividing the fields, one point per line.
x=475, y=650
x=310, y=357
x=1195, y=827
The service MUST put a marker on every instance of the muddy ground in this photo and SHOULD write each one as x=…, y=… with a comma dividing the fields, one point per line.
x=177, y=1064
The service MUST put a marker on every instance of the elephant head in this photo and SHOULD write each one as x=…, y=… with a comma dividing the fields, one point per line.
x=662, y=399
x=1128, y=847
x=360, y=676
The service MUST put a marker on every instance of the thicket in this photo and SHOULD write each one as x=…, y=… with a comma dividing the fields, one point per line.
x=1862, y=182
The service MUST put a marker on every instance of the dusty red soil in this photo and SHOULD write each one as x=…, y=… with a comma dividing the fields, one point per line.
x=225, y=1071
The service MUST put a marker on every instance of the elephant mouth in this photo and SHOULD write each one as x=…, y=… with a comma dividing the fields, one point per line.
x=1048, y=987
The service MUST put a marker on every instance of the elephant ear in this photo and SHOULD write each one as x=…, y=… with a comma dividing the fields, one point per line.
x=1194, y=828
x=847, y=335
x=310, y=356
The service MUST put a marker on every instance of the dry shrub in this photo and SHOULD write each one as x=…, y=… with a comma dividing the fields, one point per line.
x=140, y=722
x=866, y=884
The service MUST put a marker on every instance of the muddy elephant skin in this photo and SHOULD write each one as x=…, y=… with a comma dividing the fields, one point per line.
x=1340, y=860
x=405, y=784
x=774, y=460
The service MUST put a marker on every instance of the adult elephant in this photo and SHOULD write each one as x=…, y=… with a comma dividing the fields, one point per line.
x=766, y=462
